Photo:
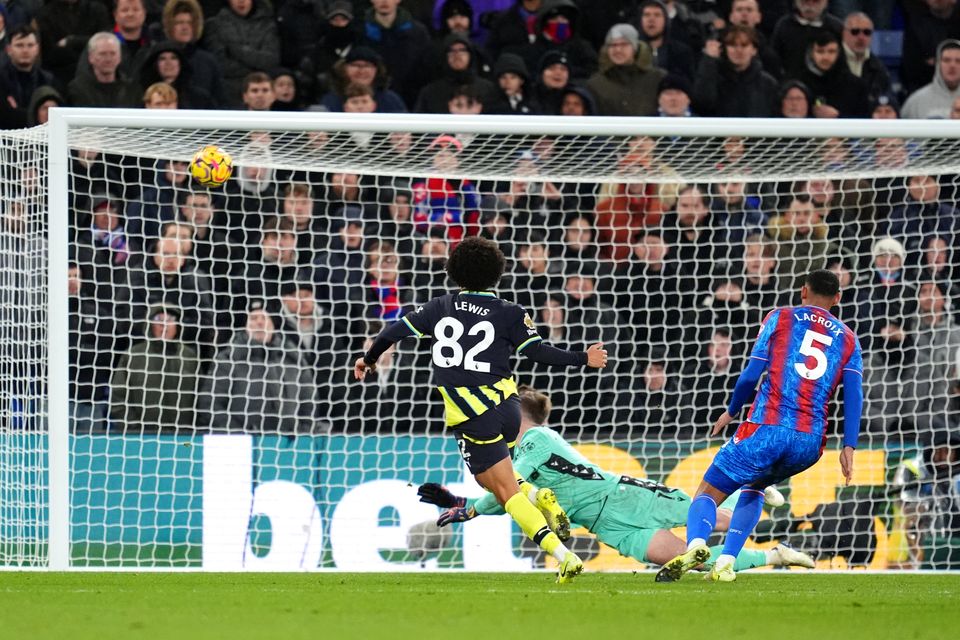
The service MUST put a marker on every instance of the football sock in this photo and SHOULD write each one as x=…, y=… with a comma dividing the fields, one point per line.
x=745, y=518
x=534, y=525
x=748, y=558
x=701, y=519
x=528, y=490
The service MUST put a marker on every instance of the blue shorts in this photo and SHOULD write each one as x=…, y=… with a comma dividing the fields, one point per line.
x=761, y=455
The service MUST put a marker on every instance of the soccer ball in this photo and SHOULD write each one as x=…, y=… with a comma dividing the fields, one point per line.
x=211, y=166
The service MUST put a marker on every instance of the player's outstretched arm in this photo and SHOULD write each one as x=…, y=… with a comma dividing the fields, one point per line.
x=594, y=357
x=852, y=411
x=368, y=362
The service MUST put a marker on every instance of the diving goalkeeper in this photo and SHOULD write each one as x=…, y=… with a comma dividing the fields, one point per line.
x=632, y=515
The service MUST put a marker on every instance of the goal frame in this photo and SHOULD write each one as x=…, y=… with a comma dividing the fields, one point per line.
x=62, y=120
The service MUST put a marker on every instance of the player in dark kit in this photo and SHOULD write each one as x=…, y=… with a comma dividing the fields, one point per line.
x=474, y=334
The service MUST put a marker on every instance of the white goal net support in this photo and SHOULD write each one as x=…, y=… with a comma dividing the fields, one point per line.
x=177, y=393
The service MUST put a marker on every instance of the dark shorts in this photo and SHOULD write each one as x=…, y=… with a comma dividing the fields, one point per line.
x=487, y=439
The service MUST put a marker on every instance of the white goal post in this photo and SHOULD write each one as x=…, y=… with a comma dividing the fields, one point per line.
x=654, y=410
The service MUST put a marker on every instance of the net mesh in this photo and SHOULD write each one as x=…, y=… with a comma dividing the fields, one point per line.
x=213, y=419
x=23, y=311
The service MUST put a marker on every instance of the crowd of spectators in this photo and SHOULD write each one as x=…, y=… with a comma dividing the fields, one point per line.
x=241, y=309
x=751, y=58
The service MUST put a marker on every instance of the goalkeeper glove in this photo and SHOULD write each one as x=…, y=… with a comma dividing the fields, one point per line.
x=456, y=514
x=433, y=493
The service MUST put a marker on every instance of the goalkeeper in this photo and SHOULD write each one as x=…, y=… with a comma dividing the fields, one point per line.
x=632, y=515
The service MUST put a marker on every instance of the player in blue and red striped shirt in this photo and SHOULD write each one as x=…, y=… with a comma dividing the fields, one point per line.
x=806, y=352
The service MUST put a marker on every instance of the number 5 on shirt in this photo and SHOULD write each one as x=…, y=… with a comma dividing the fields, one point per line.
x=807, y=348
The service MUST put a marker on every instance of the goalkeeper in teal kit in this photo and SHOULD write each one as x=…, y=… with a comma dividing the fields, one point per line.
x=632, y=515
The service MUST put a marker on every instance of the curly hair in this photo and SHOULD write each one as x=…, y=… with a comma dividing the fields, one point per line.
x=476, y=264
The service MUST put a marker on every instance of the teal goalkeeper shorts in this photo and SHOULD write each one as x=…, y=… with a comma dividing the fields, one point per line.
x=636, y=509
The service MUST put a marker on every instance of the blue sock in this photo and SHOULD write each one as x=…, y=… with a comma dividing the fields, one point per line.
x=745, y=518
x=701, y=518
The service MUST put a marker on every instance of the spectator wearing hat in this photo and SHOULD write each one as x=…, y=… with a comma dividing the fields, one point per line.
x=553, y=76
x=336, y=37
x=454, y=16
x=794, y=100
x=886, y=312
x=401, y=41
x=514, y=27
x=364, y=66
x=577, y=100
x=460, y=68
x=557, y=28
x=38, y=109
x=794, y=32
x=733, y=83
x=514, y=95
x=837, y=93
x=154, y=383
x=165, y=62
x=673, y=97
x=626, y=84
x=857, y=36
x=669, y=53
x=884, y=106
x=934, y=100
x=286, y=90
x=243, y=36
x=183, y=24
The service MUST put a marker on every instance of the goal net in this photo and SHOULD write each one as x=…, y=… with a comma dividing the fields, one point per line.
x=203, y=399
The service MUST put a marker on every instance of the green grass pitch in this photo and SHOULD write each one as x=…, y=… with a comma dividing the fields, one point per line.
x=767, y=606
